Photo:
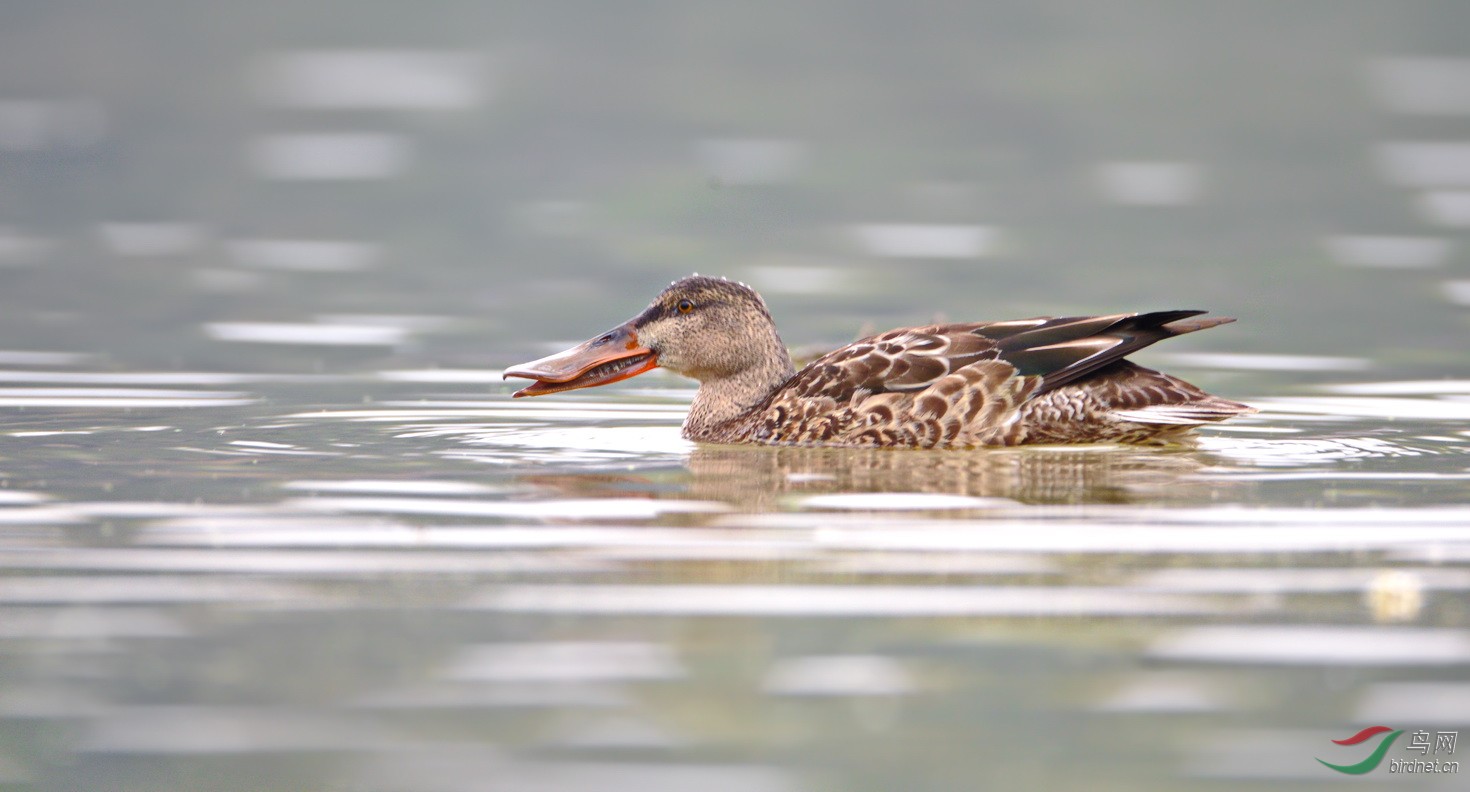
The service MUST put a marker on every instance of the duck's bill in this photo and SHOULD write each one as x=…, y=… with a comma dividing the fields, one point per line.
x=611, y=357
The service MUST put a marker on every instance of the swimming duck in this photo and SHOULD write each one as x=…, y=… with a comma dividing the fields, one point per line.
x=1041, y=380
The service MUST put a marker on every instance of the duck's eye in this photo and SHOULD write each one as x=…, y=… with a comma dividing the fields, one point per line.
x=685, y=306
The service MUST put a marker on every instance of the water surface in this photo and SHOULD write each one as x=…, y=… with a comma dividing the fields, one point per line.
x=432, y=586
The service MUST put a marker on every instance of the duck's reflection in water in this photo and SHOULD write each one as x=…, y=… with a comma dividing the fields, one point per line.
x=755, y=478
x=758, y=478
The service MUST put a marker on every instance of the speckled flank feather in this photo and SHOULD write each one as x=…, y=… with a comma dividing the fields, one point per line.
x=1041, y=380
x=966, y=408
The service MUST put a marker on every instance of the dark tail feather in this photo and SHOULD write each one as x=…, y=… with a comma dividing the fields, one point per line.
x=1071, y=348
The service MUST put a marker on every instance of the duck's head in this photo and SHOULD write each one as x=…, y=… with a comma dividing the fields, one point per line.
x=700, y=327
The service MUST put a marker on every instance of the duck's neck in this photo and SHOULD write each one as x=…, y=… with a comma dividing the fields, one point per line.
x=723, y=399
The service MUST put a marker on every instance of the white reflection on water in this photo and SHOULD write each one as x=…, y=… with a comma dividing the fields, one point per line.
x=840, y=601
x=48, y=703
x=263, y=446
x=152, y=240
x=289, y=563
x=458, y=767
x=1425, y=164
x=306, y=333
x=1301, y=580
x=39, y=515
x=1433, y=553
x=354, y=79
x=118, y=398
x=1390, y=252
x=331, y=156
x=1419, y=703
x=1298, y=452
x=1401, y=388
x=87, y=623
x=392, y=487
x=1315, y=645
x=899, y=501
x=1447, y=521
x=413, y=322
x=442, y=375
x=1151, y=183
x=629, y=542
x=936, y=564
x=808, y=279
x=221, y=280
x=228, y=730
x=1339, y=475
x=1119, y=530
x=838, y=675
x=516, y=445
x=1169, y=691
x=545, y=409
x=748, y=161
x=129, y=393
x=146, y=509
x=1367, y=407
x=127, y=377
x=585, y=509
x=927, y=241
x=249, y=449
x=15, y=357
x=19, y=249
x=304, y=255
x=1457, y=291
x=616, y=733
x=565, y=661
x=1446, y=207
x=1241, y=361
x=1421, y=85
x=413, y=412
x=40, y=125
x=520, y=694
x=97, y=589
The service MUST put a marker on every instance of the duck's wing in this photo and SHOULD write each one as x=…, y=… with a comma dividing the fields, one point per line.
x=1058, y=351
x=906, y=360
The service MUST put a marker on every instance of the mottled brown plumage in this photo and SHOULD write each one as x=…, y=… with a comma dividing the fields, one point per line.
x=1043, y=380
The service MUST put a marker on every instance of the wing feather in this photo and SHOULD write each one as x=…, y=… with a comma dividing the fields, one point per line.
x=899, y=361
x=974, y=383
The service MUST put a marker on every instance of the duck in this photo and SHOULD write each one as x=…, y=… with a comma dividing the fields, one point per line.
x=1043, y=380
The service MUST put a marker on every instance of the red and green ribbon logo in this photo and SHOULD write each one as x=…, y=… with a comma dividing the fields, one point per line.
x=1375, y=758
